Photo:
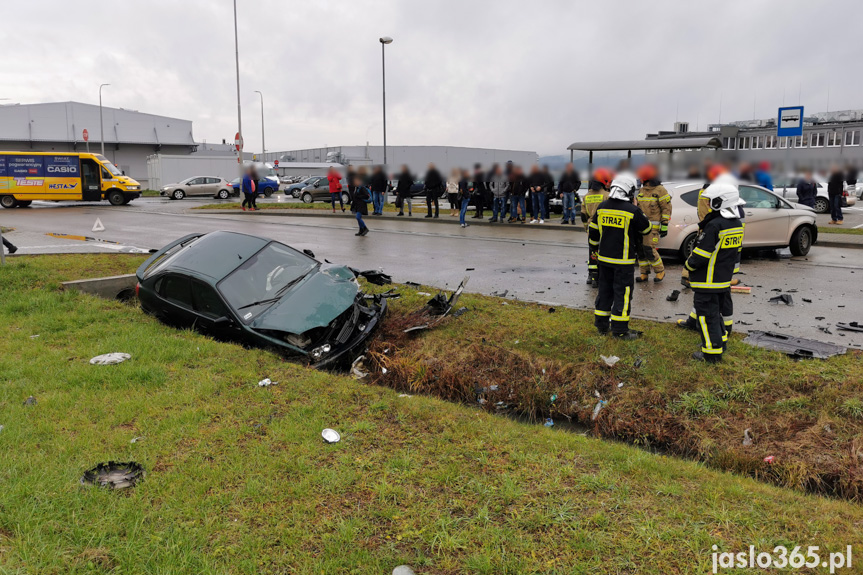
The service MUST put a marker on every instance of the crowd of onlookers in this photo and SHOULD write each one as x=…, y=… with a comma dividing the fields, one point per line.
x=513, y=195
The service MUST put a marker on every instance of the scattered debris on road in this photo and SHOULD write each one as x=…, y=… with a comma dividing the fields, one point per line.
x=673, y=295
x=852, y=326
x=783, y=298
x=114, y=475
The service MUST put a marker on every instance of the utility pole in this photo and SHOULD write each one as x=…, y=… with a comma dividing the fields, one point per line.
x=384, y=41
x=263, y=141
x=101, y=122
x=239, y=110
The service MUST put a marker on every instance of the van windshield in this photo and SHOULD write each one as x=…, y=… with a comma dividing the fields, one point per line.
x=108, y=165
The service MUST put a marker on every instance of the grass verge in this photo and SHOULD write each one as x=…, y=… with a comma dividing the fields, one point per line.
x=803, y=413
x=239, y=480
x=839, y=230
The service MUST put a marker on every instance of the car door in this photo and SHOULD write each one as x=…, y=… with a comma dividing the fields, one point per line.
x=175, y=295
x=196, y=187
x=211, y=186
x=213, y=315
x=766, y=221
x=321, y=189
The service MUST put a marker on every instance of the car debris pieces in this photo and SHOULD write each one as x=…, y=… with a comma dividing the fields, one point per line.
x=851, y=326
x=114, y=475
x=437, y=308
x=377, y=277
x=794, y=346
x=609, y=360
x=110, y=359
x=673, y=295
x=783, y=298
x=331, y=435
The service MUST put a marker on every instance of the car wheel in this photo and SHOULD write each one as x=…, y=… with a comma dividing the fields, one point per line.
x=268, y=192
x=346, y=198
x=801, y=241
x=223, y=194
x=8, y=202
x=295, y=193
x=116, y=198
x=178, y=195
x=821, y=206
x=307, y=198
x=687, y=246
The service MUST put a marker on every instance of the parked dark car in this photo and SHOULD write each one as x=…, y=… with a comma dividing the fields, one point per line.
x=319, y=191
x=270, y=295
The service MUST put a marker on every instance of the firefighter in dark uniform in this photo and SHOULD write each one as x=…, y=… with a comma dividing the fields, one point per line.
x=597, y=192
x=617, y=230
x=712, y=264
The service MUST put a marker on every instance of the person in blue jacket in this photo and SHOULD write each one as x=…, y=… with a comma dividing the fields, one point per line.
x=762, y=176
x=248, y=189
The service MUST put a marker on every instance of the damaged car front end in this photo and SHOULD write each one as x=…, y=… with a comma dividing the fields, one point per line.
x=261, y=293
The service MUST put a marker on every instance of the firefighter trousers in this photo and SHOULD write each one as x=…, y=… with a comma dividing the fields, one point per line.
x=614, y=299
x=648, y=256
x=714, y=319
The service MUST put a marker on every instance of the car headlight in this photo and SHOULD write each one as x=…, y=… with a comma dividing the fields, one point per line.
x=321, y=351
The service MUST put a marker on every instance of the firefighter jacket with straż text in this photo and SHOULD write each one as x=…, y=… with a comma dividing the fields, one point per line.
x=616, y=229
x=716, y=256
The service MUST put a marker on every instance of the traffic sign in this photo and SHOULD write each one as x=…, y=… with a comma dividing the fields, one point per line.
x=276, y=163
x=86, y=135
x=238, y=142
x=790, y=121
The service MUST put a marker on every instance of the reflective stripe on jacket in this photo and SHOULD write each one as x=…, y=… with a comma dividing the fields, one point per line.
x=616, y=229
x=716, y=255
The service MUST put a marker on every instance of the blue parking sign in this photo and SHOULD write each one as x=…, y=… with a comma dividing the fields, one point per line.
x=790, y=121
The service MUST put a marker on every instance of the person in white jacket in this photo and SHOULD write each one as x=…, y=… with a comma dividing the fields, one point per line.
x=452, y=192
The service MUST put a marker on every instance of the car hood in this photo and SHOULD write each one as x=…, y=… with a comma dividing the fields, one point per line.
x=320, y=298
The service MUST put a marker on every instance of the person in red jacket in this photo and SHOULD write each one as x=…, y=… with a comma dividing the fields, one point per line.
x=335, y=180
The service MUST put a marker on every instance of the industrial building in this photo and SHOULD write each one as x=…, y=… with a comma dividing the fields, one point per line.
x=416, y=158
x=130, y=136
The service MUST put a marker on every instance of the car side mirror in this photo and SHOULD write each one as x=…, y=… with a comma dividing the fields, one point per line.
x=223, y=321
x=309, y=252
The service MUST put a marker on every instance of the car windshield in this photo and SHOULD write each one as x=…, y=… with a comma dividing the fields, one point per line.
x=263, y=278
x=108, y=165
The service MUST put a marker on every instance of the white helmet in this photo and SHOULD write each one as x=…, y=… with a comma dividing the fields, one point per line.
x=623, y=187
x=724, y=196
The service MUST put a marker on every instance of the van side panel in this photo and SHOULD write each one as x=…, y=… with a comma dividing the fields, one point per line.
x=41, y=177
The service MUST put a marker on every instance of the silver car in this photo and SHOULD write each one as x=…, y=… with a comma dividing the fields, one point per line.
x=787, y=188
x=771, y=222
x=198, y=186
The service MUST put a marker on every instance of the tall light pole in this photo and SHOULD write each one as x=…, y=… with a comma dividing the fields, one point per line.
x=239, y=112
x=384, y=41
x=263, y=141
x=101, y=123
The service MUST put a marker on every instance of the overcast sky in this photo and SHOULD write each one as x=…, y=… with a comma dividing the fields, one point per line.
x=534, y=75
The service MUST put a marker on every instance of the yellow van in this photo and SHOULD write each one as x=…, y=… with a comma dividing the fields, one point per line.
x=28, y=176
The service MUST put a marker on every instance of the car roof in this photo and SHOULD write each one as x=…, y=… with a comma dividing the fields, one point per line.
x=216, y=254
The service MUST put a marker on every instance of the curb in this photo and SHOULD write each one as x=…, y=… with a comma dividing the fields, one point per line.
x=549, y=225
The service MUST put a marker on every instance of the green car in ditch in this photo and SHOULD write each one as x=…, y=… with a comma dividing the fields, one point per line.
x=261, y=293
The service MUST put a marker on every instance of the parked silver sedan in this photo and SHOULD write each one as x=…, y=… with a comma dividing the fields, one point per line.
x=787, y=188
x=198, y=186
x=771, y=222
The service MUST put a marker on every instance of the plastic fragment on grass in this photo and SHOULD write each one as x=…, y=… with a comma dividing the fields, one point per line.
x=404, y=395
x=114, y=475
x=619, y=385
x=30, y=401
x=459, y=312
x=403, y=570
x=137, y=439
x=549, y=422
x=610, y=360
x=110, y=358
x=639, y=362
x=34, y=336
x=600, y=405
x=794, y=346
x=358, y=368
x=425, y=293
x=747, y=439
x=266, y=382
x=769, y=459
x=331, y=435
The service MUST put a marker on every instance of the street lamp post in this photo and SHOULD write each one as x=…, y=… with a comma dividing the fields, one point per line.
x=384, y=41
x=263, y=141
x=101, y=122
x=239, y=111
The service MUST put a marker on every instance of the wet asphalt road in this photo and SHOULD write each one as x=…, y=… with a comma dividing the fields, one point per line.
x=543, y=266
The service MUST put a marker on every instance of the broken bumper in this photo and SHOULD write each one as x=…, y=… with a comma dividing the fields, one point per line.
x=345, y=353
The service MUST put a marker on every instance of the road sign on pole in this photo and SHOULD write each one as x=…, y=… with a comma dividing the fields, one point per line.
x=87, y=139
x=238, y=142
x=790, y=121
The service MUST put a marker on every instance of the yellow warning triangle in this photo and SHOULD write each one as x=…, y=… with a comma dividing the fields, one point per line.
x=98, y=227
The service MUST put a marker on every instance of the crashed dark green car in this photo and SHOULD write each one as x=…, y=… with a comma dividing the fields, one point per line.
x=261, y=293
